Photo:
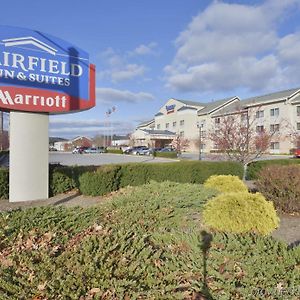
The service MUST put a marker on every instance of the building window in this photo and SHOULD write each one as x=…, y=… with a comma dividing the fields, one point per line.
x=274, y=112
x=217, y=120
x=298, y=111
x=274, y=127
x=274, y=146
x=181, y=133
x=158, y=126
x=167, y=125
x=174, y=124
x=181, y=122
x=259, y=114
x=260, y=128
x=298, y=126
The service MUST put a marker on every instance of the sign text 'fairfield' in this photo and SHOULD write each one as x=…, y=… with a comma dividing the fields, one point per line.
x=41, y=73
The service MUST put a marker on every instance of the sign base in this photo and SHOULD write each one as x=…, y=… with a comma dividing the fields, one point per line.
x=29, y=156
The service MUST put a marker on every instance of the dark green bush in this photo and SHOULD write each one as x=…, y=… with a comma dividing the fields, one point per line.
x=60, y=183
x=104, y=180
x=114, y=151
x=63, y=178
x=185, y=172
x=254, y=167
x=281, y=184
x=4, y=187
x=170, y=154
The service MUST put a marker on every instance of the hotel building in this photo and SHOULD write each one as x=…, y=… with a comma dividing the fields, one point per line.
x=277, y=112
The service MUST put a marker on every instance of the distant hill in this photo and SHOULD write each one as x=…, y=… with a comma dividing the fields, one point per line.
x=53, y=140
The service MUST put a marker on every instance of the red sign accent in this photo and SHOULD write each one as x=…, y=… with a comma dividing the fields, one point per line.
x=40, y=100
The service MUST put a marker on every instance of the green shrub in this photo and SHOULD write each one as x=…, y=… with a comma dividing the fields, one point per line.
x=170, y=154
x=73, y=172
x=226, y=183
x=281, y=184
x=254, y=167
x=103, y=181
x=60, y=183
x=184, y=171
x=4, y=187
x=114, y=151
x=144, y=244
x=241, y=213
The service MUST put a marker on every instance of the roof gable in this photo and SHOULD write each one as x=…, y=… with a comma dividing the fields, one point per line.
x=217, y=105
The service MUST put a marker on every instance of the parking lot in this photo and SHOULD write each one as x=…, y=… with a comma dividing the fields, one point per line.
x=97, y=159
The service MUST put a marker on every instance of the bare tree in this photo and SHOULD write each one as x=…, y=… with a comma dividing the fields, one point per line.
x=98, y=141
x=240, y=137
x=179, y=143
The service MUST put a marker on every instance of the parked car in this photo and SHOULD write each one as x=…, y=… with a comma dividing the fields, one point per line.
x=138, y=150
x=166, y=150
x=133, y=150
x=78, y=150
x=91, y=150
x=297, y=153
x=143, y=151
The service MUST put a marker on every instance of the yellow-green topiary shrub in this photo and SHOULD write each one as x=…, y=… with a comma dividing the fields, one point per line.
x=226, y=183
x=241, y=213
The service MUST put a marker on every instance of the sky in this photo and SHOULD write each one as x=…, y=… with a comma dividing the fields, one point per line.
x=147, y=52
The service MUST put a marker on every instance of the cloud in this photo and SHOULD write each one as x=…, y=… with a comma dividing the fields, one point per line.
x=112, y=96
x=128, y=72
x=119, y=69
x=144, y=49
x=73, y=127
x=230, y=46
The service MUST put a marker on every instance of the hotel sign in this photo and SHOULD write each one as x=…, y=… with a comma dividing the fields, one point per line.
x=170, y=108
x=42, y=73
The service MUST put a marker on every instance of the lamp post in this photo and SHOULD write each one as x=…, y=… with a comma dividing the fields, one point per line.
x=200, y=126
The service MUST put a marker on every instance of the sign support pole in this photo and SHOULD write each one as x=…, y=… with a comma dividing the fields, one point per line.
x=29, y=156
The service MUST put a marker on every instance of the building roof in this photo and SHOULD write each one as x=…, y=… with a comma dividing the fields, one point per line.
x=159, y=114
x=210, y=107
x=296, y=99
x=190, y=103
x=161, y=132
x=120, y=137
x=80, y=137
x=146, y=123
x=186, y=107
x=281, y=95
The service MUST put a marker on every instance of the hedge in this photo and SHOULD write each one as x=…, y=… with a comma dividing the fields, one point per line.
x=281, y=184
x=171, y=154
x=64, y=178
x=4, y=188
x=254, y=167
x=185, y=172
x=114, y=151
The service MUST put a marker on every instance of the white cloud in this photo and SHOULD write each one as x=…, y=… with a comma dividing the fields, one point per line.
x=75, y=127
x=112, y=96
x=119, y=69
x=144, y=49
x=128, y=72
x=230, y=46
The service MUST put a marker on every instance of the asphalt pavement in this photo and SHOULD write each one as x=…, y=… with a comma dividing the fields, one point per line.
x=97, y=159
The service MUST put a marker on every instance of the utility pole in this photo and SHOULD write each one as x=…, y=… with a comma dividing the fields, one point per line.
x=199, y=126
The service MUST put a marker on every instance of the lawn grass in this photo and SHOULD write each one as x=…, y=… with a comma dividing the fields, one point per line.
x=148, y=242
